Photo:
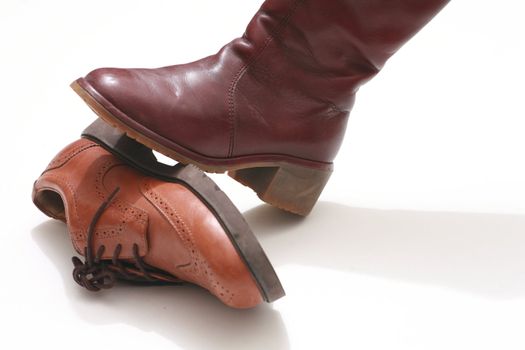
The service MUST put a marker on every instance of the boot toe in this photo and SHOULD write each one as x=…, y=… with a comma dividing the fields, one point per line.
x=113, y=84
x=130, y=97
x=162, y=104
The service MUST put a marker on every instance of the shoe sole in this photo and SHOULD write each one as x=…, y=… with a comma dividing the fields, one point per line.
x=289, y=183
x=231, y=220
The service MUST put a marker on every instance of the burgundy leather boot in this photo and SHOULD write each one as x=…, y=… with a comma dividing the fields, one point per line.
x=130, y=226
x=271, y=107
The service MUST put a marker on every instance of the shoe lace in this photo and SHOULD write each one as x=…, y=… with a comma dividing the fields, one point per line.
x=95, y=274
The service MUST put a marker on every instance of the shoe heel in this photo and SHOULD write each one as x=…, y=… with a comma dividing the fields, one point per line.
x=289, y=187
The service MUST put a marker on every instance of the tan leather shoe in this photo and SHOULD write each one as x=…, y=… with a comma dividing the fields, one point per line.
x=131, y=226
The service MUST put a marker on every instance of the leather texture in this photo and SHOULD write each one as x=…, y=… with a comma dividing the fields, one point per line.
x=285, y=87
x=174, y=230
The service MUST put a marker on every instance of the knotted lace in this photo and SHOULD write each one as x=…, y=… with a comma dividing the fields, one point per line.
x=95, y=274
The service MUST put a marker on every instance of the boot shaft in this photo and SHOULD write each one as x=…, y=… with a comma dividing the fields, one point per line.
x=303, y=62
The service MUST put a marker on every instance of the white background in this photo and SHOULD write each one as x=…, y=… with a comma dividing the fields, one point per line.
x=418, y=241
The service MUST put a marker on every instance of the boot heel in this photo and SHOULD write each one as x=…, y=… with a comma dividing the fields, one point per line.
x=290, y=187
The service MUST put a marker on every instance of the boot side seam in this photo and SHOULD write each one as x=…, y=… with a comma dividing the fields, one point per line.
x=240, y=74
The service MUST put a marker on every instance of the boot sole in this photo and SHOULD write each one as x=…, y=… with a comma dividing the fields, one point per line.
x=291, y=184
x=231, y=220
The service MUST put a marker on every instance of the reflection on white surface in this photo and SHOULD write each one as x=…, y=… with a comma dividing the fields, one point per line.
x=188, y=316
x=476, y=253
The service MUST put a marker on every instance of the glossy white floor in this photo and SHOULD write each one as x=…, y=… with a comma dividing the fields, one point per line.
x=418, y=241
